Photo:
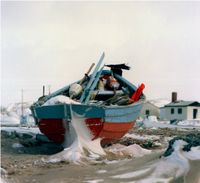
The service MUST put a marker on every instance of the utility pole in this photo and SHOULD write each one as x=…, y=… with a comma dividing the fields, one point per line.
x=22, y=109
x=22, y=98
x=49, y=87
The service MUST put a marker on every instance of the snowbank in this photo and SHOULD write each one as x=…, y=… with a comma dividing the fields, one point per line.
x=152, y=118
x=150, y=123
x=10, y=115
x=194, y=123
x=21, y=130
x=167, y=169
x=83, y=148
x=133, y=150
x=142, y=137
x=4, y=175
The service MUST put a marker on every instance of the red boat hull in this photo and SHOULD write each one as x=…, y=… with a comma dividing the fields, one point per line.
x=55, y=129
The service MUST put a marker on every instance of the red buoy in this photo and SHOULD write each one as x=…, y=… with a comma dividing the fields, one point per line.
x=136, y=95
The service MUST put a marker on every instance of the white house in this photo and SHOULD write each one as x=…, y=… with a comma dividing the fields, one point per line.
x=181, y=110
x=152, y=108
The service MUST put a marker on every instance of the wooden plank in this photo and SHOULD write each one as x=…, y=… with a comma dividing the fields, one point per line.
x=92, y=78
x=93, y=86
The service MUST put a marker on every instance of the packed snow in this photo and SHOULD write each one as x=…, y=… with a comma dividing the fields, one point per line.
x=94, y=181
x=10, y=115
x=60, y=99
x=166, y=169
x=141, y=137
x=133, y=150
x=193, y=123
x=21, y=130
x=152, y=122
x=83, y=141
x=83, y=147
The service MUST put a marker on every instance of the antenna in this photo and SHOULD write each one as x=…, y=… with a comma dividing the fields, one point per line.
x=49, y=87
x=22, y=101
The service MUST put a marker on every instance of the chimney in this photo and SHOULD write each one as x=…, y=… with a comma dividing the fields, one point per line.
x=174, y=96
x=43, y=90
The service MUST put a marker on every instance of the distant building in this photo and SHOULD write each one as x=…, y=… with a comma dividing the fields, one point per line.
x=152, y=108
x=180, y=110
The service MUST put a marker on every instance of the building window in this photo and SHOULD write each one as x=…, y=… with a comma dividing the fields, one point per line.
x=172, y=110
x=147, y=112
x=179, y=111
x=195, y=111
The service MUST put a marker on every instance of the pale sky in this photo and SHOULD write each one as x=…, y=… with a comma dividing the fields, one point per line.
x=54, y=43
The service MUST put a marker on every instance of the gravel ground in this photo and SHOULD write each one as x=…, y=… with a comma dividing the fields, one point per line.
x=21, y=158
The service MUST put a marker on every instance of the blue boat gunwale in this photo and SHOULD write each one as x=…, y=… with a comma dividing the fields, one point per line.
x=54, y=111
x=90, y=111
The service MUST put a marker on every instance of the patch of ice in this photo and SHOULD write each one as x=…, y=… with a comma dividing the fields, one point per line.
x=111, y=162
x=154, y=180
x=10, y=120
x=101, y=171
x=3, y=172
x=194, y=123
x=17, y=145
x=3, y=181
x=94, y=181
x=21, y=130
x=164, y=124
x=143, y=137
x=154, y=128
x=132, y=174
x=193, y=154
x=152, y=118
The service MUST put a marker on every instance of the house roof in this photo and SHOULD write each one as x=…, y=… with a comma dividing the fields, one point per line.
x=158, y=102
x=182, y=103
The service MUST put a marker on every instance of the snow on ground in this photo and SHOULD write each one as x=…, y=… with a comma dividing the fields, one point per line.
x=142, y=137
x=166, y=169
x=2, y=180
x=21, y=130
x=152, y=122
x=194, y=123
x=83, y=148
x=133, y=150
x=101, y=171
x=94, y=181
x=10, y=115
x=3, y=176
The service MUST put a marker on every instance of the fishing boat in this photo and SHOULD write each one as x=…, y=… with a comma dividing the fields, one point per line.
x=108, y=104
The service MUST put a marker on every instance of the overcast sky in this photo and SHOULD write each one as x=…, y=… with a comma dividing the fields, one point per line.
x=54, y=43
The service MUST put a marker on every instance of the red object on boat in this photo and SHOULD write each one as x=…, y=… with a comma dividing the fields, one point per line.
x=136, y=95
